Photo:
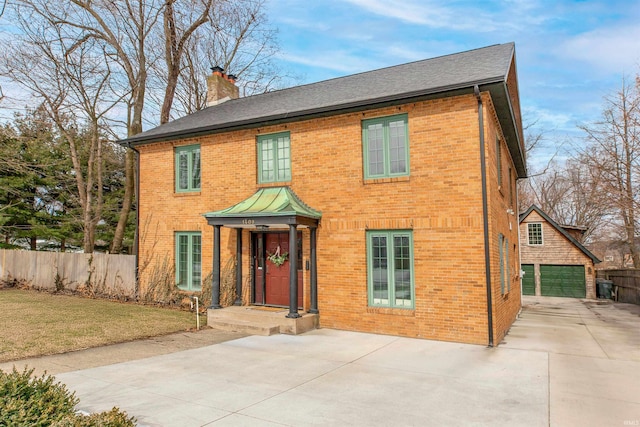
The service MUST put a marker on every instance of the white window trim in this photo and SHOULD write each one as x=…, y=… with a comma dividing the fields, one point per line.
x=541, y=235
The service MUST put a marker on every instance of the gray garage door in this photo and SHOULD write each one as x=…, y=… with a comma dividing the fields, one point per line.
x=562, y=281
x=528, y=280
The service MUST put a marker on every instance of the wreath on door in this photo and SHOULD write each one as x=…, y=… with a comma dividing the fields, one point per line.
x=277, y=258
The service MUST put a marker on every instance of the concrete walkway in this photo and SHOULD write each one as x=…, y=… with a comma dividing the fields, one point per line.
x=565, y=362
x=593, y=350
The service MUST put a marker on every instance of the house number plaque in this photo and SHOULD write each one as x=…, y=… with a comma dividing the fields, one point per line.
x=248, y=221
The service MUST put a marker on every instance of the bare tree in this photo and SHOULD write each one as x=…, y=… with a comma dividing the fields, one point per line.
x=131, y=36
x=569, y=192
x=527, y=188
x=120, y=30
x=614, y=152
x=178, y=29
x=237, y=38
x=72, y=82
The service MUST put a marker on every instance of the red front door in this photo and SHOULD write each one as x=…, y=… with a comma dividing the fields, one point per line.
x=271, y=280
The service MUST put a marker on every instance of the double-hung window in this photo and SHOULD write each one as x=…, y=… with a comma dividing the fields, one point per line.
x=534, y=230
x=274, y=158
x=386, y=147
x=189, y=260
x=390, y=268
x=188, y=168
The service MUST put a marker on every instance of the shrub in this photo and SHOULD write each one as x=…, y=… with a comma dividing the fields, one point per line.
x=37, y=401
x=112, y=418
x=40, y=401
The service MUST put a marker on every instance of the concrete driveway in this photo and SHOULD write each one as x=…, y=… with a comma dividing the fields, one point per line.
x=593, y=351
x=565, y=362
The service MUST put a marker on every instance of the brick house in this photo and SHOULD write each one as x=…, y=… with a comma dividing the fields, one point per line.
x=393, y=190
x=554, y=261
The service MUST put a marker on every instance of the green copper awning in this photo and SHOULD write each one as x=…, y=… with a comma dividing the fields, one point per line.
x=267, y=207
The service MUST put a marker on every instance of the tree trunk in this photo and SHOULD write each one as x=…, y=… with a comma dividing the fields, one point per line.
x=127, y=202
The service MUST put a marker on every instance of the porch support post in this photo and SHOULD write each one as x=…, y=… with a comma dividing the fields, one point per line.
x=215, y=281
x=238, y=267
x=293, y=272
x=313, y=272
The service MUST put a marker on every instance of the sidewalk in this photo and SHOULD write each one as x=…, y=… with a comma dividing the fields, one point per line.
x=123, y=352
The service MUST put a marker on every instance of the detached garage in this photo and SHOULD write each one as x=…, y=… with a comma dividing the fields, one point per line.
x=554, y=262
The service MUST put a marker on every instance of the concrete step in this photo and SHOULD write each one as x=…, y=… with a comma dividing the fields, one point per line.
x=255, y=321
x=247, y=327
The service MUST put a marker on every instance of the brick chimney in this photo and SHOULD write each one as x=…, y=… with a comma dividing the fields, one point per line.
x=221, y=87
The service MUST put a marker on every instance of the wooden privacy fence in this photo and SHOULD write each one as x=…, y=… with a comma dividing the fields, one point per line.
x=97, y=273
x=626, y=284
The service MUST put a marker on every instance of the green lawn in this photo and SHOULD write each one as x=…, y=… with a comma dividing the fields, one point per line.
x=36, y=323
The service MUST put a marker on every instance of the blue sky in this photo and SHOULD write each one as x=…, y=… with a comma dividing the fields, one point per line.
x=569, y=53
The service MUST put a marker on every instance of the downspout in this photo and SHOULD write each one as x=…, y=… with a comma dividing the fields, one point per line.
x=519, y=251
x=136, y=239
x=485, y=214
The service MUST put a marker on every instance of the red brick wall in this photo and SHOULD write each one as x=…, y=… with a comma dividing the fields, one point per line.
x=503, y=218
x=441, y=201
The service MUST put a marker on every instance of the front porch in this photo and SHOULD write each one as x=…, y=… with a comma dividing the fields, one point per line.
x=271, y=222
x=256, y=320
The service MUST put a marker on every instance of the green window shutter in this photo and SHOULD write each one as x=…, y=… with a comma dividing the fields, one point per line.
x=274, y=158
x=390, y=268
x=501, y=257
x=508, y=269
x=189, y=260
x=385, y=144
x=187, y=168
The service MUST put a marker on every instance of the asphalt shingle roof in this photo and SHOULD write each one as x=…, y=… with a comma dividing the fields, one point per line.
x=480, y=66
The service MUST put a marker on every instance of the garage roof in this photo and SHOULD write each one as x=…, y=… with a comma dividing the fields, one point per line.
x=560, y=230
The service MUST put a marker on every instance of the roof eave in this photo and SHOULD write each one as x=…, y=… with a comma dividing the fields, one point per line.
x=287, y=117
x=506, y=116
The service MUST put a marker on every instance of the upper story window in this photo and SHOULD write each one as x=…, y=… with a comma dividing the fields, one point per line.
x=188, y=168
x=534, y=230
x=386, y=147
x=274, y=157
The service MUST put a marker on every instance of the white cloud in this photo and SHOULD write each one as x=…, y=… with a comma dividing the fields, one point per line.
x=609, y=50
x=338, y=61
x=428, y=13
